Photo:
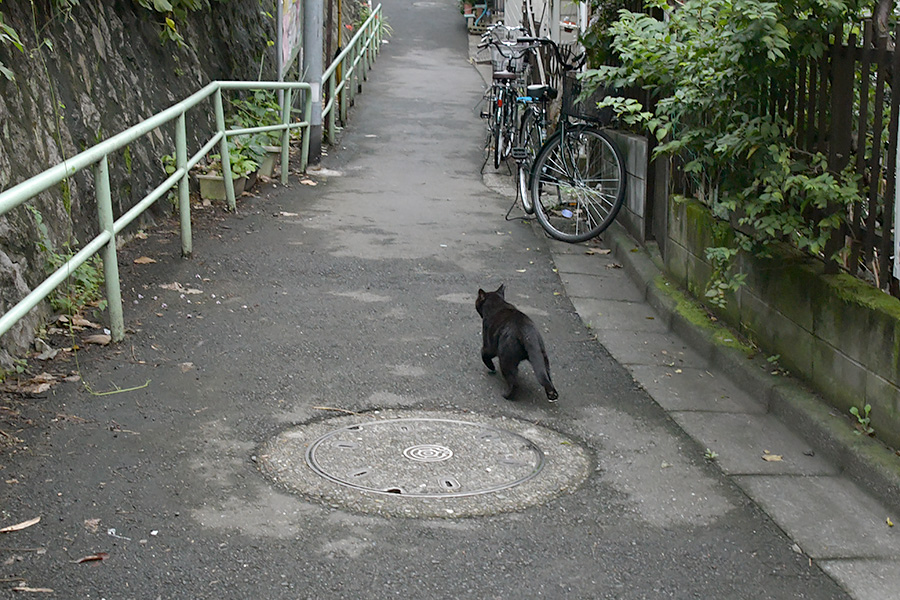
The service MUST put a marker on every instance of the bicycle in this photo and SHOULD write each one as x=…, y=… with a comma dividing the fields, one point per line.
x=531, y=136
x=508, y=61
x=577, y=181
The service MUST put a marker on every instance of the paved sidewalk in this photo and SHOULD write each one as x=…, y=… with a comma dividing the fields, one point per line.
x=834, y=495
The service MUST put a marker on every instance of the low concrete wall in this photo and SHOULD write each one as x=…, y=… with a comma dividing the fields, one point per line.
x=634, y=213
x=836, y=332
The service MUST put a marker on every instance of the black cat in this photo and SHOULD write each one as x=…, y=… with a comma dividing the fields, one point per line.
x=510, y=335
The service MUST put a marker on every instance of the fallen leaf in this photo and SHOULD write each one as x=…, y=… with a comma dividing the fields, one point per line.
x=141, y=235
x=144, y=260
x=100, y=339
x=92, y=525
x=186, y=366
x=889, y=522
x=47, y=354
x=308, y=182
x=177, y=287
x=613, y=266
x=601, y=251
x=21, y=526
x=39, y=388
x=768, y=457
x=82, y=322
x=92, y=557
x=25, y=588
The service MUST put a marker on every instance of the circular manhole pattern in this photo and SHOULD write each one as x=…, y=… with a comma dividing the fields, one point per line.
x=425, y=463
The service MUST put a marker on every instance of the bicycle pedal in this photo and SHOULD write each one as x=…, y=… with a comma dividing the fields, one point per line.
x=485, y=115
x=519, y=153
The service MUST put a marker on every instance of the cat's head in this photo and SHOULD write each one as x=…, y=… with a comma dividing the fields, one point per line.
x=483, y=296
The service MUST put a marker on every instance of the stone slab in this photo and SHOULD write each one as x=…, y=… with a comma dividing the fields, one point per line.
x=600, y=314
x=614, y=284
x=829, y=517
x=866, y=579
x=694, y=389
x=631, y=347
x=743, y=441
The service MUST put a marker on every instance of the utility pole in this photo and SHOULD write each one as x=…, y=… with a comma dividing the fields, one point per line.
x=313, y=15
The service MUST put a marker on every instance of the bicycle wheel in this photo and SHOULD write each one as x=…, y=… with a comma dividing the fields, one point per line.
x=578, y=183
x=531, y=138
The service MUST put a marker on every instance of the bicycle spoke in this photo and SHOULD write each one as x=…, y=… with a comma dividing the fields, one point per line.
x=581, y=184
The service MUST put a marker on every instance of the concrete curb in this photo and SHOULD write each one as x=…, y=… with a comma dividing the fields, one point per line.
x=863, y=459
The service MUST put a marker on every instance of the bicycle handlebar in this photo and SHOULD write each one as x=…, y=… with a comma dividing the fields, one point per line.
x=570, y=61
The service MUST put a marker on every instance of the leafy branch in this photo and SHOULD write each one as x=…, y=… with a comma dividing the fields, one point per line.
x=707, y=68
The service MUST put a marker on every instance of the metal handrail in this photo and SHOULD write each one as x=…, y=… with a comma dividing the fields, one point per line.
x=96, y=156
x=362, y=48
x=354, y=61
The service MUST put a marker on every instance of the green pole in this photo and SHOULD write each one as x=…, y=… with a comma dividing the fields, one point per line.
x=286, y=136
x=226, y=160
x=110, y=260
x=184, y=200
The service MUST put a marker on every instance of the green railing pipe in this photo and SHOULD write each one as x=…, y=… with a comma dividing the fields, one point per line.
x=96, y=157
x=366, y=42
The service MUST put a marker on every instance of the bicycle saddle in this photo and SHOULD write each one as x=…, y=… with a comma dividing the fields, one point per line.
x=504, y=75
x=542, y=92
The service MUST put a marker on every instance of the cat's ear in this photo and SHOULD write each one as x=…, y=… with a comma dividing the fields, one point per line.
x=502, y=290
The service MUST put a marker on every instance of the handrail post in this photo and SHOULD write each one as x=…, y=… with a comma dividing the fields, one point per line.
x=286, y=136
x=184, y=199
x=226, y=159
x=380, y=29
x=364, y=54
x=110, y=260
x=353, y=74
x=334, y=105
x=307, y=117
x=345, y=91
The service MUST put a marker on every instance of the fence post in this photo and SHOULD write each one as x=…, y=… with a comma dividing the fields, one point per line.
x=184, y=200
x=304, y=148
x=364, y=43
x=334, y=107
x=380, y=28
x=110, y=260
x=345, y=92
x=351, y=77
x=286, y=136
x=223, y=151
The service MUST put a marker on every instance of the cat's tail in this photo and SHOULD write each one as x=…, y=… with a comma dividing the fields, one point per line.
x=537, y=356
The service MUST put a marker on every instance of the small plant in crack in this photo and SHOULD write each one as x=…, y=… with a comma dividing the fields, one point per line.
x=863, y=421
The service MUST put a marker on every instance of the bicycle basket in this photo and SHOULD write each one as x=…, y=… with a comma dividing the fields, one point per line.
x=509, y=57
x=585, y=109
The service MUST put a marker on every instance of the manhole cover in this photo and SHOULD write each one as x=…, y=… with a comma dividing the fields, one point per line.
x=417, y=463
x=386, y=457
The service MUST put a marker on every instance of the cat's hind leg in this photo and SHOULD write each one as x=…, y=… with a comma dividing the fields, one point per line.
x=510, y=369
x=488, y=359
x=488, y=351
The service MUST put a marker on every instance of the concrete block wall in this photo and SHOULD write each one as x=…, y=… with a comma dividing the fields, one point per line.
x=839, y=334
x=633, y=214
